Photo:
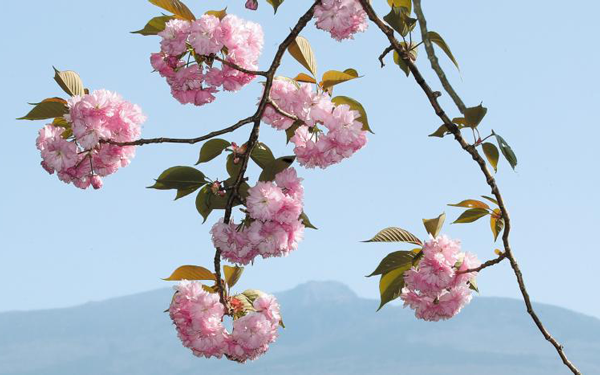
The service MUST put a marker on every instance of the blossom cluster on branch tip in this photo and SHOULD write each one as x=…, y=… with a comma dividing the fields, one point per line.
x=341, y=18
x=437, y=288
x=198, y=317
x=196, y=79
x=273, y=227
x=314, y=147
x=71, y=146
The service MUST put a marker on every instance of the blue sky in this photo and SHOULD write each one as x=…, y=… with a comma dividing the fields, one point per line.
x=533, y=66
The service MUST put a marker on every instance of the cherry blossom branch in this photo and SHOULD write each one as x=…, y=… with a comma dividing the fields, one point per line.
x=434, y=60
x=243, y=70
x=281, y=111
x=487, y=264
x=253, y=138
x=453, y=128
x=141, y=142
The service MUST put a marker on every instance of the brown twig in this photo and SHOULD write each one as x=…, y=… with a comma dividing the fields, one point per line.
x=384, y=54
x=141, y=142
x=487, y=264
x=452, y=128
x=278, y=109
x=253, y=138
x=243, y=70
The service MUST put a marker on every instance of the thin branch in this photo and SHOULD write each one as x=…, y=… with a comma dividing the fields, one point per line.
x=487, y=264
x=435, y=65
x=243, y=70
x=384, y=54
x=431, y=95
x=141, y=142
x=281, y=111
x=253, y=138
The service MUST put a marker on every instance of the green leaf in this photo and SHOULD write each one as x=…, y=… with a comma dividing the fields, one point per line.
x=492, y=154
x=401, y=4
x=490, y=199
x=253, y=294
x=301, y=50
x=184, y=192
x=401, y=64
x=220, y=14
x=393, y=234
x=232, y=274
x=355, y=105
x=474, y=115
x=440, y=132
x=395, y=260
x=460, y=121
x=176, y=7
x=496, y=223
x=434, y=226
x=306, y=221
x=506, y=151
x=203, y=202
x=276, y=166
x=333, y=77
x=471, y=215
x=211, y=149
x=275, y=4
x=291, y=131
x=303, y=77
x=398, y=18
x=391, y=284
x=471, y=203
x=191, y=273
x=262, y=155
x=69, y=81
x=47, y=108
x=185, y=179
x=473, y=284
x=437, y=39
x=154, y=26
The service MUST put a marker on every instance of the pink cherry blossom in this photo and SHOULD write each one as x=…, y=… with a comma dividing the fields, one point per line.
x=81, y=158
x=198, y=317
x=436, y=288
x=252, y=4
x=205, y=36
x=234, y=243
x=265, y=199
x=341, y=18
x=272, y=228
x=195, y=79
x=315, y=147
x=174, y=36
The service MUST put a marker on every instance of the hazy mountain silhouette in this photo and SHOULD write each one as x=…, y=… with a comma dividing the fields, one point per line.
x=329, y=331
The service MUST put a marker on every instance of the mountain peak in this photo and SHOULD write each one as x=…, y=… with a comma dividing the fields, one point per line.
x=321, y=291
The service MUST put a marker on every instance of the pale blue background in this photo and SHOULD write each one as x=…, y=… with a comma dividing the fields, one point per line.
x=535, y=66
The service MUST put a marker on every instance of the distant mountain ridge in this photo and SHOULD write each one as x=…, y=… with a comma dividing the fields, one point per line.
x=330, y=331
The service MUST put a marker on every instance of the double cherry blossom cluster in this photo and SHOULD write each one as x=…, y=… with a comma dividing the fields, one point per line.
x=196, y=79
x=198, y=317
x=438, y=288
x=273, y=227
x=72, y=146
x=341, y=18
x=313, y=146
